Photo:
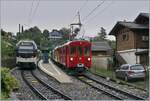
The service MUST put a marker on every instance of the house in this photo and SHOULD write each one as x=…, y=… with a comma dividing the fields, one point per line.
x=101, y=54
x=132, y=40
x=55, y=34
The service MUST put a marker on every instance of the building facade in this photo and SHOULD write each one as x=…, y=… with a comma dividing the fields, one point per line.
x=55, y=34
x=101, y=54
x=132, y=39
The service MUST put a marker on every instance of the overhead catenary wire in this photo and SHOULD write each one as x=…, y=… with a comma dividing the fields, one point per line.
x=93, y=10
x=80, y=9
x=112, y=2
x=78, y=14
x=30, y=12
x=91, y=19
x=34, y=11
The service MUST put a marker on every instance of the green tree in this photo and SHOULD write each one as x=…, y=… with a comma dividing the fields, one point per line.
x=46, y=33
x=33, y=33
x=7, y=44
x=102, y=34
x=65, y=33
x=3, y=33
x=112, y=43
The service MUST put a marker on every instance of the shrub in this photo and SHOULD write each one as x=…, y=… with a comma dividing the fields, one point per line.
x=8, y=82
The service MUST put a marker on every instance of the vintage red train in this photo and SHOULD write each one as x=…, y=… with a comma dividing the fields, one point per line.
x=74, y=55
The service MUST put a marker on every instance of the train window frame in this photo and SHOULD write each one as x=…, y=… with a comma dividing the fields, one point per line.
x=72, y=53
x=87, y=50
x=81, y=52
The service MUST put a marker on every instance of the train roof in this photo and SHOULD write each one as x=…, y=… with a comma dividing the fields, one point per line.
x=30, y=41
x=76, y=41
x=68, y=43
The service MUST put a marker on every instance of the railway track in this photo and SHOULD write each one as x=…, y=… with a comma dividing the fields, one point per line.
x=43, y=90
x=109, y=90
x=131, y=85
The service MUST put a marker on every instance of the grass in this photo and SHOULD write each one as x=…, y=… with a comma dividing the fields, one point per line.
x=103, y=72
x=143, y=84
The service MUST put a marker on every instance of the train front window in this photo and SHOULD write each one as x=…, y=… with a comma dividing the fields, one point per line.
x=80, y=52
x=87, y=51
x=72, y=50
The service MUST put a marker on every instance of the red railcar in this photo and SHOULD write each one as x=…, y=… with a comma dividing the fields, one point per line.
x=74, y=55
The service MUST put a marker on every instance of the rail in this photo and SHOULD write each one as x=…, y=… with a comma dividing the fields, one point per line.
x=115, y=89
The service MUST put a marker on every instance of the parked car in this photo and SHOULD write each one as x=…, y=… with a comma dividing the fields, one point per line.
x=128, y=71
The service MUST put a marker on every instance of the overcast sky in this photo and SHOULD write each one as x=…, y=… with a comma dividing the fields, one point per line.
x=55, y=14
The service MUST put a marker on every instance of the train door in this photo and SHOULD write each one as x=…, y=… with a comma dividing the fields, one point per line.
x=67, y=57
x=87, y=55
x=72, y=56
x=80, y=55
x=63, y=54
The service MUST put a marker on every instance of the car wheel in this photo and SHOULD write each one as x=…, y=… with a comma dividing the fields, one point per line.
x=126, y=78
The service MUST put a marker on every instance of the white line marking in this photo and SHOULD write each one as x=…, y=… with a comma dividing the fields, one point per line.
x=54, y=68
x=45, y=69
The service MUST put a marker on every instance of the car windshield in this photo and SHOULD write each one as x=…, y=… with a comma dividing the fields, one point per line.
x=137, y=67
x=25, y=51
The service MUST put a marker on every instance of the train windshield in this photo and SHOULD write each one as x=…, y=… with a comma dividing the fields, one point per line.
x=80, y=52
x=72, y=50
x=87, y=51
x=25, y=49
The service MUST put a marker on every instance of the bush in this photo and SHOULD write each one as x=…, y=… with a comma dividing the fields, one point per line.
x=7, y=48
x=8, y=62
x=8, y=82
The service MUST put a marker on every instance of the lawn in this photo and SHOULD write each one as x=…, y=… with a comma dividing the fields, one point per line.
x=109, y=73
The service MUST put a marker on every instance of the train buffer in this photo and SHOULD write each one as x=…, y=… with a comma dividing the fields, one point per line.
x=54, y=71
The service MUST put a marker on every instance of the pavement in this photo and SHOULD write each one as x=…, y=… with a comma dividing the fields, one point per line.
x=52, y=70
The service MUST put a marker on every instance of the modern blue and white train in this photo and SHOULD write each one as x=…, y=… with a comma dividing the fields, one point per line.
x=26, y=52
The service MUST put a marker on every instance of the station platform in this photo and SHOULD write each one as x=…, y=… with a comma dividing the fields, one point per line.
x=54, y=71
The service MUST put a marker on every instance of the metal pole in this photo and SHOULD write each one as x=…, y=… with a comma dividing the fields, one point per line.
x=19, y=28
x=79, y=20
x=22, y=29
x=149, y=64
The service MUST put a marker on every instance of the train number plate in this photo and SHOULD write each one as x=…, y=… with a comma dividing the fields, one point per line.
x=80, y=65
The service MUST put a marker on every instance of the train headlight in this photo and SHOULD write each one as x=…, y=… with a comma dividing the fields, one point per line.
x=89, y=59
x=71, y=59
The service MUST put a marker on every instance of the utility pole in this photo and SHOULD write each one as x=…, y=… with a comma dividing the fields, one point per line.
x=73, y=24
x=19, y=28
x=79, y=20
x=22, y=29
x=79, y=23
